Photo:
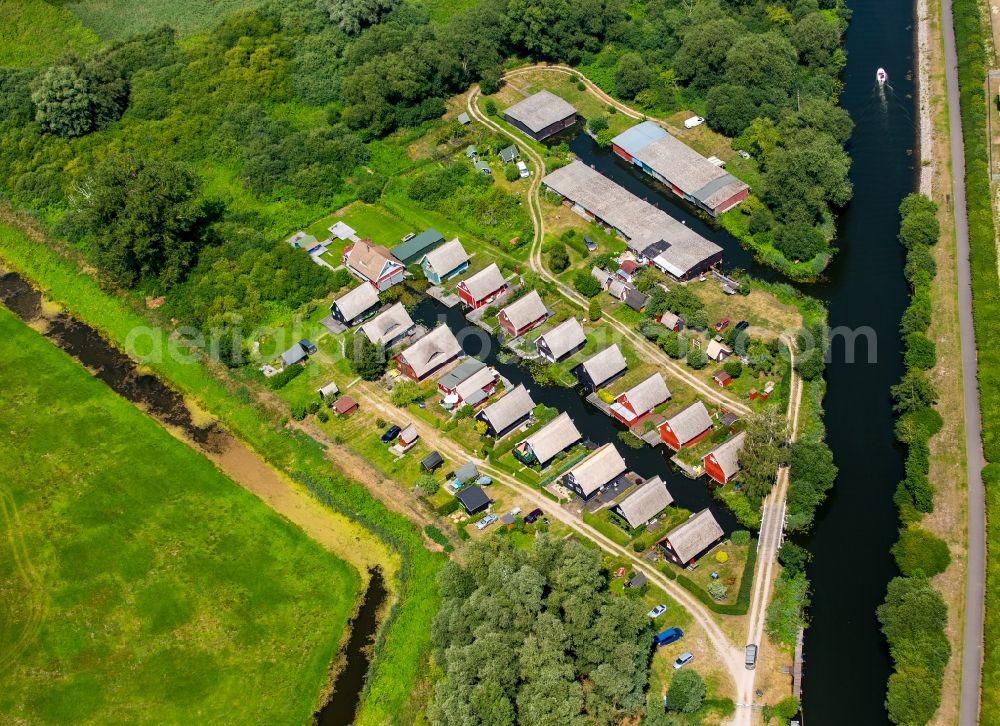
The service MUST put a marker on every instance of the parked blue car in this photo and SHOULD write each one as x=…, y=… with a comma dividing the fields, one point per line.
x=667, y=637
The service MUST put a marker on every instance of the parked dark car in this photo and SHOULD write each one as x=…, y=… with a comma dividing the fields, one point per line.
x=742, y=325
x=390, y=434
x=533, y=516
x=308, y=347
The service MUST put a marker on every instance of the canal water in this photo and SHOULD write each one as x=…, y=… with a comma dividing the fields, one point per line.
x=846, y=660
x=116, y=370
x=592, y=423
x=343, y=703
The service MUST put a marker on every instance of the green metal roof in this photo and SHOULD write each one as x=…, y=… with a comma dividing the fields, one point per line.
x=411, y=250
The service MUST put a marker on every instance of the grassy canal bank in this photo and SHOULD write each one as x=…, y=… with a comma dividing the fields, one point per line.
x=114, y=572
x=392, y=691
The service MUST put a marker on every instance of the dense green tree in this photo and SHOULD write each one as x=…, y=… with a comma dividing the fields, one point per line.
x=811, y=476
x=915, y=202
x=799, y=241
x=144, y=219
x=920, y=227
x=594, y=311
x=806, y=173
x=558, y=258
x=557, y=29
x=697, y=359
x=817, y=40
x=793, y=557
x=75, y=97
x=762, y=452
x=914, y=391
x=702, y=55
x=598, y=124
x=632, y=76
x=367, y=359
x=734, y=367
x=920, y=553
x=921, y=352
x=820, y=114
x=353, y=15
x=686, y=692
x=585, y=284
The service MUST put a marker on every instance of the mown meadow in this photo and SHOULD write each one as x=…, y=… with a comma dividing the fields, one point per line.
x=140, y=585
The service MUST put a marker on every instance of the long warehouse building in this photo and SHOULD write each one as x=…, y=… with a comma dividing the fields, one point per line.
x=687, y=173
x=650, y=232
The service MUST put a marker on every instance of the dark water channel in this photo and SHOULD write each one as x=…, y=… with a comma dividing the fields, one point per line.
x=115, y=368
x=592, y=423
x=343, y=703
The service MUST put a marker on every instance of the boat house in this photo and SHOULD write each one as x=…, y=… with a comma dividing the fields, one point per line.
x=482, y=288
x=643, y=503
x=445, y=262
x=683, y=170
x=389, y=327
x=525, y=313
x=687, y=427
x=640, y=399
x=355, y=305
x=723, y=462
x=650, y=232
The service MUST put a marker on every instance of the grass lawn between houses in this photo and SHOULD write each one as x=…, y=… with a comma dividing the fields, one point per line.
x=140, y=584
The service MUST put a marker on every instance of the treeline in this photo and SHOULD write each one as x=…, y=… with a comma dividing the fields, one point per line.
x=970, y=39
x=914, y=615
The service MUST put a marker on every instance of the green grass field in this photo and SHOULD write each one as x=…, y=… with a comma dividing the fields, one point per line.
x=122, y=18
x=140, y=585
x=35, y=33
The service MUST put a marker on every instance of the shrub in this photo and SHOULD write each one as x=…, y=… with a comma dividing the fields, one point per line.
x=585, y=284
x=406, y=392
x=630, y=440
x=740, y=538
x=920, y=553
x=283, y=377
x=921, y=352
x=594, y=311
x=671, y=344
x=490, y=107
x=697, y=359
x=510, y=173
x=919, y=228
x=686, y=692
x=322, y=415
x=558, y=258
x=734, y=367
x=604, y=138
x=605, y=396
x=427, y=485
x=298, y=411
x=722, y=557
x=598, y=124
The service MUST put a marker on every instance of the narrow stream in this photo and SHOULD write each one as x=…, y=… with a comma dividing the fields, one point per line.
x=343, y=703
x=115, y=368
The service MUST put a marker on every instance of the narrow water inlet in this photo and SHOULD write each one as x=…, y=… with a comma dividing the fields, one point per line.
x=341, y=707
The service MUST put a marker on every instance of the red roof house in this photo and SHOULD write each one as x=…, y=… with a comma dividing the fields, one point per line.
x=482, y=288
x=687, y=427
x=523, y=314
x=722, y=463
x=639, y=400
